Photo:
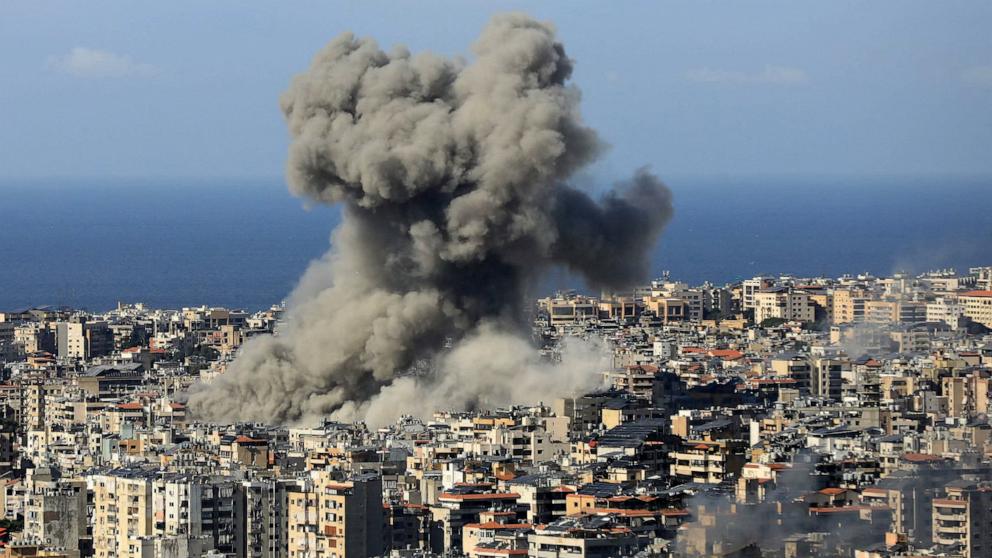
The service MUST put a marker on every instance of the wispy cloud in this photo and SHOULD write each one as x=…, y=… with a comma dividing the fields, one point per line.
x=92, y=63
x=978, y=75
x=780, y=75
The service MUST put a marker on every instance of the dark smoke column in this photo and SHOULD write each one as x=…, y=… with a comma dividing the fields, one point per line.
x=452, y=178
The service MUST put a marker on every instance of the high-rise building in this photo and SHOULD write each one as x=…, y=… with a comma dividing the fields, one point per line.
x=197, y=507
x=79, y=339
x=826, y=377
x=751, y=287
x=963, y=519
x=335, y=519
x=55, y=515
x=783, y=303
x=122, y=512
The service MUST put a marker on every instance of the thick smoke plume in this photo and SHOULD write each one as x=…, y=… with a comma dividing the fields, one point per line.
x=453, y=180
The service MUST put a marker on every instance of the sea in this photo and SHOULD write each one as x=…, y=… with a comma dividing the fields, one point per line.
x=244, y=243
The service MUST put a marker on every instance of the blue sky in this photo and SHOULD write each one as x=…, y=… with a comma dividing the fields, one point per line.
x=190, y=88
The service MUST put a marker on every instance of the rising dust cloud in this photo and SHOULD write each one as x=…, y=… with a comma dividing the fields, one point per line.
x=453, y=177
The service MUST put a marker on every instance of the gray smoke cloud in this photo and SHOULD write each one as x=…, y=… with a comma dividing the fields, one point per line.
x=453, y=177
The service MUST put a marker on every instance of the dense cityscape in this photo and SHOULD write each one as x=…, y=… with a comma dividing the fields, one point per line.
x=774, y=417
x=456, y=279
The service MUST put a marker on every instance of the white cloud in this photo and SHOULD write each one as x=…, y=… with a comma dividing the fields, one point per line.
x=91, y=63
x=780, y=75
x=978, y=75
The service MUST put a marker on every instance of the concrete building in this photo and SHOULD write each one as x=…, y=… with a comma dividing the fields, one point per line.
x=587, y=537
x=751, y=287
x=122, y=512
x=461, y=506
x=826, y=377
x=945, y=309
x=335, y=519
x=82, y=340
x=260, y=518
x=55, y=515
x=562, y=310
x=783, y=303
x=963, y=519
x=196, y=507
x=977, y=305
x=707, y=462
x=849, y=306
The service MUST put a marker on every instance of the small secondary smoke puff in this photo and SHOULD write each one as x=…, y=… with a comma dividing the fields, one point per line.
x=452, y=176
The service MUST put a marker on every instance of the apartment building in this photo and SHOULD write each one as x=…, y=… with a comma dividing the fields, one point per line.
x=261, y=517
x=945, y=309
x=122, y=512
x=563, y=310
x=983, y=277
x=963, y=519
x=32, y=337
x=783, y=303
x=196, y=507
x=751, y=287
x=55, y=514
x=668, y=309
x=335, y=519
x=826, y=377
x=890, y=311
x=694, y=299
x=849, y=305
x=707, y=462
x=583, y=537
x=798, y=368
x=967, y=396
x=82, y=340
x=977, y=305
x=461, y=506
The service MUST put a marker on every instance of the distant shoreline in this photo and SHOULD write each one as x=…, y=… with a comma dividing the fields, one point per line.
x=245, y=242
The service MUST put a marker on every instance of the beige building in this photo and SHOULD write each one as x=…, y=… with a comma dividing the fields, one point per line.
x=576, y=542
x=826, y=377
x=570, y=310
x=893, y=311
x=83, y=339
x=783, y=303
x=335, y=519
x=122, y=513
x=963, y=517
x=848, y=306
x=977, y=305
x=55, y=514
x=669, y=309
x=708, y=462
x=946, y=309
x=966, y=396
x=983, y=277
x=751, y=287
